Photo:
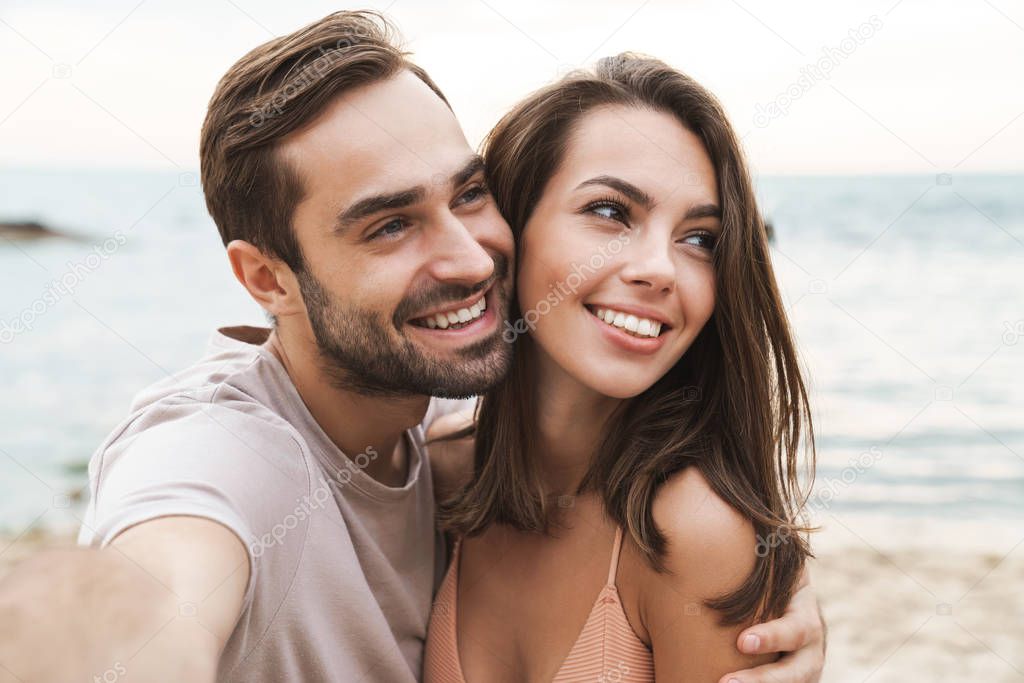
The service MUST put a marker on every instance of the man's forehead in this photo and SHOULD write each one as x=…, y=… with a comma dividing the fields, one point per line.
x=394, y=133
x=345, y=183
x=400, y=114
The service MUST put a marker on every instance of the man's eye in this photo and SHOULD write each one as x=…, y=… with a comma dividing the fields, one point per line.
x=389, y=229
x=472, y=194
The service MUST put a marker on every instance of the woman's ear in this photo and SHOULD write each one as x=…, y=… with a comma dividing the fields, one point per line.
x=268, y=280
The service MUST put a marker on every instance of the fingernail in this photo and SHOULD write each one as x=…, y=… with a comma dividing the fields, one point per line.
x=750, y=644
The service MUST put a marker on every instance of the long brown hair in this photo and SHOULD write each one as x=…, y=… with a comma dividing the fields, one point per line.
x=734, y=406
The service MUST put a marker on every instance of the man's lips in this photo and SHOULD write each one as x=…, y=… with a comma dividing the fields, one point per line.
x=454, y=316
x=461, y=333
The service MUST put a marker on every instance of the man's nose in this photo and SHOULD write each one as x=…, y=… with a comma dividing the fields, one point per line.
x=458, y=256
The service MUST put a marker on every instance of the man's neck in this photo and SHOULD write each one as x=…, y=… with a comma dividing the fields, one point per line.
x=356, y=423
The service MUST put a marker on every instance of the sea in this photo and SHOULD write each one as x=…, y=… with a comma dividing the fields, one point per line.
x=904, y=293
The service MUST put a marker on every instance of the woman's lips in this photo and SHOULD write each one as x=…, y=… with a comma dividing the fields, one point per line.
x=626, y=341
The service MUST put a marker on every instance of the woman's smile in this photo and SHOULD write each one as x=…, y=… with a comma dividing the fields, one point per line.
x=628, y=332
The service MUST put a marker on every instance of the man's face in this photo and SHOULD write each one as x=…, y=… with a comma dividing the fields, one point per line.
x=408, y=261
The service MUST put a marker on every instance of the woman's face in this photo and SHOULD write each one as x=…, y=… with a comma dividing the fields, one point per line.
x=615, y=274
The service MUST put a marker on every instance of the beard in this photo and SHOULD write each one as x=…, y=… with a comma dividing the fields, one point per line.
x=362, y=350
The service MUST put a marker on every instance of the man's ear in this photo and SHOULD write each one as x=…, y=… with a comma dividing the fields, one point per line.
x=268, y=280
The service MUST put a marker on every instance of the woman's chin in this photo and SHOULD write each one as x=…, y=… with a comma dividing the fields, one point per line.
x=619, y=389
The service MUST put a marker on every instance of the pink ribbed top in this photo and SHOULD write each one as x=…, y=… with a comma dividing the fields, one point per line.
x=607, y=648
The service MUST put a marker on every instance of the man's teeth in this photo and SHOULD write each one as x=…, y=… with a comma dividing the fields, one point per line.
x=456, y=319
x=638, y=327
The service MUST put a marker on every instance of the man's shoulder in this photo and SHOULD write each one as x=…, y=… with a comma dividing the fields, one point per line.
x=219, y=416
x=225, y=404
x=226, y=370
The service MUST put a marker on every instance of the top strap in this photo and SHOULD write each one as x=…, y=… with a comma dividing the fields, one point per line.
x=616, y=550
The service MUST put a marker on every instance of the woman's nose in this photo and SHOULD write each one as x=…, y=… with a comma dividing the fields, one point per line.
x=649, y=264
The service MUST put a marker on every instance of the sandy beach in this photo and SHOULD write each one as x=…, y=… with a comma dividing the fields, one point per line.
x=904, y=601
x=939, y=614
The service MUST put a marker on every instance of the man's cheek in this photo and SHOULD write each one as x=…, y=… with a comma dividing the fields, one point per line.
x=492, y=231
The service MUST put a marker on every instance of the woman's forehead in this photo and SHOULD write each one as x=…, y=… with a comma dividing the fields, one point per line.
x=648, y=148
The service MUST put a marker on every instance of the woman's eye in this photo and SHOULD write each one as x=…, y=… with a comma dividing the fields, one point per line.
x=709, y=240
x=389, y=229
x=610, y=211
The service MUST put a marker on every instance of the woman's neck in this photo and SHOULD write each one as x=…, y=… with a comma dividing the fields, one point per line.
x=571, y=418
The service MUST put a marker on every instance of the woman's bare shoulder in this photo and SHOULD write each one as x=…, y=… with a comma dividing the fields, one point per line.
x=711, y=551
x=711, y=545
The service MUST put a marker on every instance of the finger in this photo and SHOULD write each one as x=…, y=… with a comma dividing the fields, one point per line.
x=800, y=625
x=788, y=633
x=797, y=668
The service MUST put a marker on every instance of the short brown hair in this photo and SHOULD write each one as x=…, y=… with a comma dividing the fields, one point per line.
x=270, y=92
x=734, y=406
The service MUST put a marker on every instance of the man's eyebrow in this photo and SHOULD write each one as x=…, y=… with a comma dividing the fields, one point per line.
x=377, y=203
x=399, y=200
x=629, y=189
x=468, y=170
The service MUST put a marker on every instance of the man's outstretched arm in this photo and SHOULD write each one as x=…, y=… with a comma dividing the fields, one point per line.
x=799, y=634
x=158, y=604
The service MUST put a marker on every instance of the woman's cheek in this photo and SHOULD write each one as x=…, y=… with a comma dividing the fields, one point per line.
x=538, y=270
x=527, y=286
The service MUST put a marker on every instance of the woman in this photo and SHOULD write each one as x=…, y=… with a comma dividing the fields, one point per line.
x=628, y=503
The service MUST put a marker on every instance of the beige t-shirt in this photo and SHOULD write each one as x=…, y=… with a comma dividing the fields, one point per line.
x=342, y=567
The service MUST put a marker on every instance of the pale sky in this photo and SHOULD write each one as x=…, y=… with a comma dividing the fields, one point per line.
x=928, y=87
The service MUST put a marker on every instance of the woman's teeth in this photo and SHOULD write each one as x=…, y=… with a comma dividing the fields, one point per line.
x=638, y=327
x=456, y=319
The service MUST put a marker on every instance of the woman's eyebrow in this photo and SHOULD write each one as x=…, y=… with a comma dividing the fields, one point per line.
x=703, y=211
x=634, y=193
x=645, y=200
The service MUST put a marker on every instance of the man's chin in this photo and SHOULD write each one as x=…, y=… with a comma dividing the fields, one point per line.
x=451, y=351
x=471, y=371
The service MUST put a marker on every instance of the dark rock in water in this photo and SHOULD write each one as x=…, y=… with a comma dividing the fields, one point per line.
x=770, y=229
x=28, y=230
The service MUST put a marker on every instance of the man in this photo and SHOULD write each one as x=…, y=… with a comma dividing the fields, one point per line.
x=267, y=514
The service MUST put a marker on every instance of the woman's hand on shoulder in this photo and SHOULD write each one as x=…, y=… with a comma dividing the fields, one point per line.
x=710, y=553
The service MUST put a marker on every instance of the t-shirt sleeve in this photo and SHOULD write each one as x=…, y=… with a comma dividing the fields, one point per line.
x=200, y=460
